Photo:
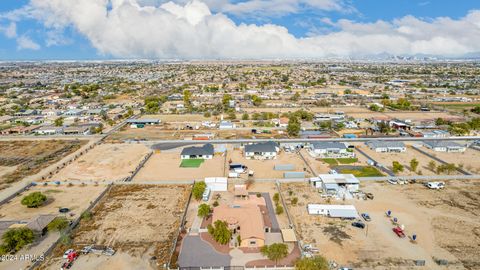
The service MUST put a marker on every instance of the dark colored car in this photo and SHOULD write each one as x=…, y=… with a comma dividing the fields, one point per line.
x=63, y=210
x=366, y=217
x=358, y=224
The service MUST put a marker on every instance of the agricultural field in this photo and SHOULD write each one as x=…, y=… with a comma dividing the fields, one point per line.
x=166, y=166
x=104, y=162
x=444, y=221
x=19, y=159
x=143, y=240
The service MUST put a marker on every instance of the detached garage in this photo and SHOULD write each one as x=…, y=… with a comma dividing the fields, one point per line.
x=217, y=183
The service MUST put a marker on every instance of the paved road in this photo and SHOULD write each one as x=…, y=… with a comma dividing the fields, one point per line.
x=198, y=253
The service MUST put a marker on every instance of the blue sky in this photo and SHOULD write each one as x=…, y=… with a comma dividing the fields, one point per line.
x=33, y=35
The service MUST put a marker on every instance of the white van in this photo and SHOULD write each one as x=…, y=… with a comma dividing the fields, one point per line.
x=206, y=194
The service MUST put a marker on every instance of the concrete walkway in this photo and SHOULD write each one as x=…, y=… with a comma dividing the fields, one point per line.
x=241, y=259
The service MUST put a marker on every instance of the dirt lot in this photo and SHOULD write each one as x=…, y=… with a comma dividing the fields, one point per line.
x=139, y=221
x=469, y=160
x=104, y=162
x=446, y=223
x=19, y=159
x=77, y=198
x=264, y=168
x=166, y=166
x=404, y=158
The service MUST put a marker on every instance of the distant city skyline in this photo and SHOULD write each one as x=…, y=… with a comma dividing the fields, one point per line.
x=232, y=29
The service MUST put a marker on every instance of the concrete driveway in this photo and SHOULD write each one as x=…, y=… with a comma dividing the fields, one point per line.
x=198, y=253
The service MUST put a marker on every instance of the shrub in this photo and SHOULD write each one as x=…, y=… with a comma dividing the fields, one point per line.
x=203, y=210
x=315, y=263
x=87, y=215
x=276, y=198
x=34, y=200
x=259, y=195
x=294, y=201
x=58, y=224
x=198, y=189
x=279, y=209
x=16, y=239
x=215, y=203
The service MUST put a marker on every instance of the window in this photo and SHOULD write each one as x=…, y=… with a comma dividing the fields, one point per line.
x=253, y=242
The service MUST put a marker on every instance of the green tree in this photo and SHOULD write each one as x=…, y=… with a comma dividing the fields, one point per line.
x=198, y=189
x=374, y=107
x=220, y=232
x=275, y=251
x=226, y=100
x=16, y=239
x=232, y=115
x=315, y=263
x=58, y=224
x=34, y=200
x=203, y=210
x=58, y=122
x=293, y=127
x=279, y=209
x=207, y=114
x=295, y=96
x=256, y=100
x=152, y=104
x=187, y=96
x=397, y=167
x=245, y=116
x=414, y=165
x=276, y=198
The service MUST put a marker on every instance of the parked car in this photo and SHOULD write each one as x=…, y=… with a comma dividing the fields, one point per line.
x=65, y=254
x=63, y=210
x=358, y=224
x=366, y=217
x=399, y=232
x=392, y=181
x=435, y=185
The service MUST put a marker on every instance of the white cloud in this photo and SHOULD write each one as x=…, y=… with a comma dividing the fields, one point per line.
x=126, y=29
x=24, y=42
x=9, y=31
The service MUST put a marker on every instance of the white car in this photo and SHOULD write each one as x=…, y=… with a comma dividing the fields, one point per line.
x=65, y=254
x=435, y=185
x=392, y=181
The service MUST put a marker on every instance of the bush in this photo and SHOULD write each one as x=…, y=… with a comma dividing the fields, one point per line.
x=315, y=263
x=294, y=201
x=16, y=239
x=259, y=195
x=34, y=200
x=203, y=210
x=215, y=203
x=87, y=215
x=58, y=224
x=276, y=198
x=198, y=189
x=279, y=209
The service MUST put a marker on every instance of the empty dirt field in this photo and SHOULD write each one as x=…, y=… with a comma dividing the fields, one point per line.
x=105, y=162
x=404, y=158
x=264, y=169
x=138, y=221
x=19, y=159
x=446, y=223
x=468, y=160
x=77, y=198
x=165, y=166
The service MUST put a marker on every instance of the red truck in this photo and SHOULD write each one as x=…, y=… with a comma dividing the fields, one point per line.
x=399, y=232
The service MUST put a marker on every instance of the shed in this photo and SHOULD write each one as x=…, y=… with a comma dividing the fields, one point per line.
x=216, y=183
x=290, y=175
x=284, y=167
x=334, y=211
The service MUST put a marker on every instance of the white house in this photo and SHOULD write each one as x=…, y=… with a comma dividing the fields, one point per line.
x=330, y=150
x=387, y=146
x=264, y=150
x=216, y=183
x=334, y=211
x=331, y=183
x=203, y=152
x=226, y=125
x=445, y=146
x=48, y=130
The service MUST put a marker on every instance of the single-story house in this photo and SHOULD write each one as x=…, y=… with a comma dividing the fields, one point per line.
x=331, y=183
x=217, y=183
x=263, y=150
x=76, y=130
x=204, y=152
x=226, y=125
x=387, y=146
x=334, y=211
x=49, y=130
x=245, y=218
x=330, y=150
x=143, y=122
x=445, y=146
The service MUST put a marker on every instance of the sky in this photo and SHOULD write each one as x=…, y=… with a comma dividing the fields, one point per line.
x=237, y=29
